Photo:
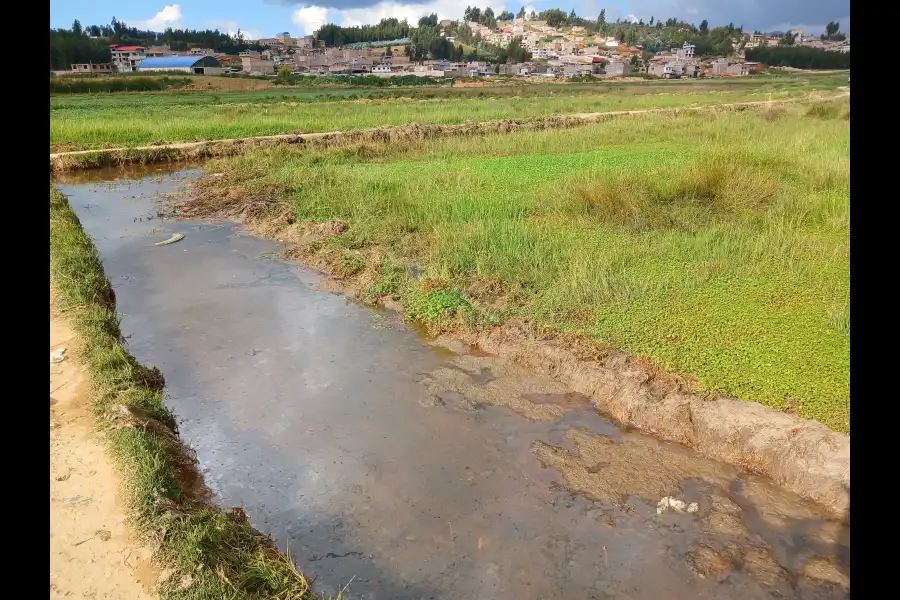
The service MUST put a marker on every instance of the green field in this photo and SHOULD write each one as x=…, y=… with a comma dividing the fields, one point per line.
x=715, y=245
x=83, y=121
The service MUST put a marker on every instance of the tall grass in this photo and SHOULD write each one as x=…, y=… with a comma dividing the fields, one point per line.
x=105, y=122
x=105, y=85
x=715, y=245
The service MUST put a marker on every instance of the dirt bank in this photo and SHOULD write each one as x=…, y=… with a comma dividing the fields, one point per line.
x=92, y=553
x=188, y=151
x=800, y=455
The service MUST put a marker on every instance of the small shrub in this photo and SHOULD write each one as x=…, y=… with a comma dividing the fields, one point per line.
x=822, y=111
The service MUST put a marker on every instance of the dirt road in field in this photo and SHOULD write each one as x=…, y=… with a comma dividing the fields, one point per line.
x=91, y=552
x=58, y=160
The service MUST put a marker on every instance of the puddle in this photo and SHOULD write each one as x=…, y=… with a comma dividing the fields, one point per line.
x=417, y=471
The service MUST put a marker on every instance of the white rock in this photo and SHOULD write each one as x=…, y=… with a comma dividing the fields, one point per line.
x=675, y=504
x=57, y=356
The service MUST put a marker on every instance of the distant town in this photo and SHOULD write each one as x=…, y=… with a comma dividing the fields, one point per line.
x=548, y=44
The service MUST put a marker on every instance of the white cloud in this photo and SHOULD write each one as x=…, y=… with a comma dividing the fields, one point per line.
x=530, y=9
x=232, y=28
x=631, y=18
x=169, y=16
x=445, y=9
x=310, y=18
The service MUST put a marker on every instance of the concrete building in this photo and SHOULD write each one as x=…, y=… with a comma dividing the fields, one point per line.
x=126, y=59
x=201, y=52
x=286, y=39
x=198, y=65
x=617, y=68
x=723, y=66
x=92, y=68
x=256, y=65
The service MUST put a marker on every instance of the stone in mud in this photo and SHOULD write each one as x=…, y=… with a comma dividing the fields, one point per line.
x=431, y=400
x=669, y=503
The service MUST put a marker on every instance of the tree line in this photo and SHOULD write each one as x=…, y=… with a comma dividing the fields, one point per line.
x=384, y=30
x=799, y=57
x=90, y=44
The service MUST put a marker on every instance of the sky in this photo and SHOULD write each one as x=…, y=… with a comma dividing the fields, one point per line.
x=265, y=18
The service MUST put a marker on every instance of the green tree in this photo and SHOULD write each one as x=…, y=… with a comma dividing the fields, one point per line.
x=634, y=60
x=651, y=21
x=521, y=13
x=787, y=39
x=516, y=52
x=832, y=28
x=554, y=17
x=284, y=76
x=429, y=21
x=464, y=34
x=601, y=20
x=704, y=27
x=488, y=19
x=76, y=27
x=506, y=16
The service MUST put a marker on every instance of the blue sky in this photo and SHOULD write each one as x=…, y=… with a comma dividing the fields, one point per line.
x=265, y=18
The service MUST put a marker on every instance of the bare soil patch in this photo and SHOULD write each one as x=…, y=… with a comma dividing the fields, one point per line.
x=92, y=552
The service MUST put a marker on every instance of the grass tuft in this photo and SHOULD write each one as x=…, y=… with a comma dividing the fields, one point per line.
x=211, y=554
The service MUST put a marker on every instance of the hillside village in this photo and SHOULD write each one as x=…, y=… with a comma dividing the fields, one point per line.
x=528, y=45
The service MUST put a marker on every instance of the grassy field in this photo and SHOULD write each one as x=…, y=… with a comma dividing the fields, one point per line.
x=112, y=120
x=217, y=555
x=717, y=246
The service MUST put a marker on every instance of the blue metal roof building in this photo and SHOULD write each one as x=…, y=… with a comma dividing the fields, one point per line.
x=200, y=65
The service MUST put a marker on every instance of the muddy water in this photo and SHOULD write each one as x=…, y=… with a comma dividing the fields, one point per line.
x=408, y=471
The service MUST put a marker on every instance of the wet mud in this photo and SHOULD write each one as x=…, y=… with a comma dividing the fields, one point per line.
x=411, y=471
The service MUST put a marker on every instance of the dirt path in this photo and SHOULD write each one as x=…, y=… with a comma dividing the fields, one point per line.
x=91, y=551
x=59, y=157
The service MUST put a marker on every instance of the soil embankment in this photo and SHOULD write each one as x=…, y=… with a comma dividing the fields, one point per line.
x=92, y=552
